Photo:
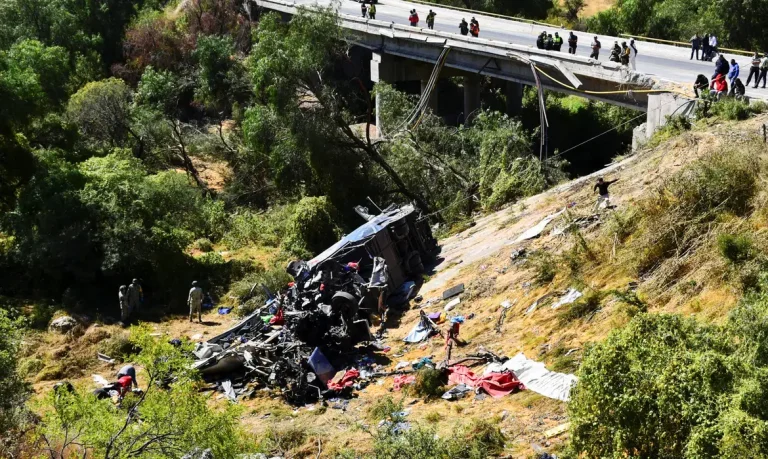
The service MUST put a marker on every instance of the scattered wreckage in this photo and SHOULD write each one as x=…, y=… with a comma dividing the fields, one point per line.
x=298, y=339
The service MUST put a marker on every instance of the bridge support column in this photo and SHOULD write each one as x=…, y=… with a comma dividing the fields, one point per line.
x=514, y=93
x=471, y=97
x=433, y=98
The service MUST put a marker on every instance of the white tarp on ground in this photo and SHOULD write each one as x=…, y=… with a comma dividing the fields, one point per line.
x=533, y=232
x=536, y=377
x=570, y=296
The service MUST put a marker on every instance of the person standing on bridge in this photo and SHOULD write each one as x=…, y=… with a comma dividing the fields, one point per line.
x=595, y=49
x=364, y=9
x=541, y=39
x=712, y=45
x=372, y=11
x=632, y=55
x=431, y=19
x=754, y=69
x=474, y=28
x=549, y=43
x=573, y=40
x=705, y=47
x=414, y=18
x=695, y=45
x=557, y=42
x=625, y=52
x=463, y=27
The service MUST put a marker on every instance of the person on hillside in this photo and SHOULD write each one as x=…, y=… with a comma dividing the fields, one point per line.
x=733, y=73
x=431, y=19
x=125, y=306
x=195, y=302
x=541, y=39
x=718, y=87
x=595, y=49
x=134, y=295
x=549, y=43
x=695, y=45
x=701, y=84
x=712, y=45
x=128, y=370
x=557, y=42
x=625, y=52
x=632, y=54
x=603, y=195
x=721, y=67
x=474, y=28
x=705, y=47
x=413, y=19
x=754, y=69
x=464, y=27
x=121, y=386
x=737, y=89
x=573, y=40
x=372, y=11
x=763, y=71
x=364, y=9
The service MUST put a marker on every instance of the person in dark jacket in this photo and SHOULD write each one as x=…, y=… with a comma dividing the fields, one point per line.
x=541, y=39
x=573, y=40
x=695, y=45
x=603, y=196
x=549, y=43
x=705, y=47
x=625, y=53
x=615, y=52
x=754, y=69
x=721, y=67
x=595, y=49
x=464, y=27
x=737, y=89
x=431, y=19
x=701, y=84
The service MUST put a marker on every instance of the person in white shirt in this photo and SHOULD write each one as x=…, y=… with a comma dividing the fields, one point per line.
x=632, y=55
x=712, y=44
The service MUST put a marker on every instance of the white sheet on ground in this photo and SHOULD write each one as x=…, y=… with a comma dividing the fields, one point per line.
x=536, y=377
x=570, y=296
x=534, y=231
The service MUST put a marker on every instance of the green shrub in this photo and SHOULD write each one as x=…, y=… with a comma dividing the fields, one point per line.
x=385, y=408
x=730, y=108
x=430, y=383
x=29, y=368
x=544, y=266
x=264, y=228
x=203, y=245
x=249, y=292
x=119, y=346
x=675, y=125
x=736, y=248
x=758, y=107
x=282, y=439
x=312, y=227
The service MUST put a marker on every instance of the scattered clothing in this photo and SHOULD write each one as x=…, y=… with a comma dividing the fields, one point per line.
x=345, y=381
x=535, y=376
x=570, y=296
x=457, y=392
x=224, y=310
x=402, y=380
x=496, y=384
x=321, y=366
x=421, y=331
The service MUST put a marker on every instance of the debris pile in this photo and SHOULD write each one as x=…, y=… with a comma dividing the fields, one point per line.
x=312, y=340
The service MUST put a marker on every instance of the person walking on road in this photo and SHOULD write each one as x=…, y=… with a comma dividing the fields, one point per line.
x=754, y=69
x=573, y=40
x=372, y=11
x=557, y=42
x=595, y=49
x=414, y=18
x=603, y=195
x=364, y=9
x=763, y=71
x=464, y=27
x=431, y=19
x=632, y=54
x=195, y=302
x=695, y=45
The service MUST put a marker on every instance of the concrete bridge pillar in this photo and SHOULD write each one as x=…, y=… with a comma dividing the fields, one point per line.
x=471, y=97
x=514, y=93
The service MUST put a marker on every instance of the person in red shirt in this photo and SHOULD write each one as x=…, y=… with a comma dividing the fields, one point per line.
x=719, y=87
x=414, y=18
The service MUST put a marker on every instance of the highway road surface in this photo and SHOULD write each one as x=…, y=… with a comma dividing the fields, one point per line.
x=664, y=62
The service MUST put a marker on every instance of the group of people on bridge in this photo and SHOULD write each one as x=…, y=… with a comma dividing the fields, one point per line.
x=727, y=76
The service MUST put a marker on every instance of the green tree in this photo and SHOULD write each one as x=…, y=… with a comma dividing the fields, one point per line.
x=102, y=111
x=169, y=419
x=219, y=75
x=13, y=389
